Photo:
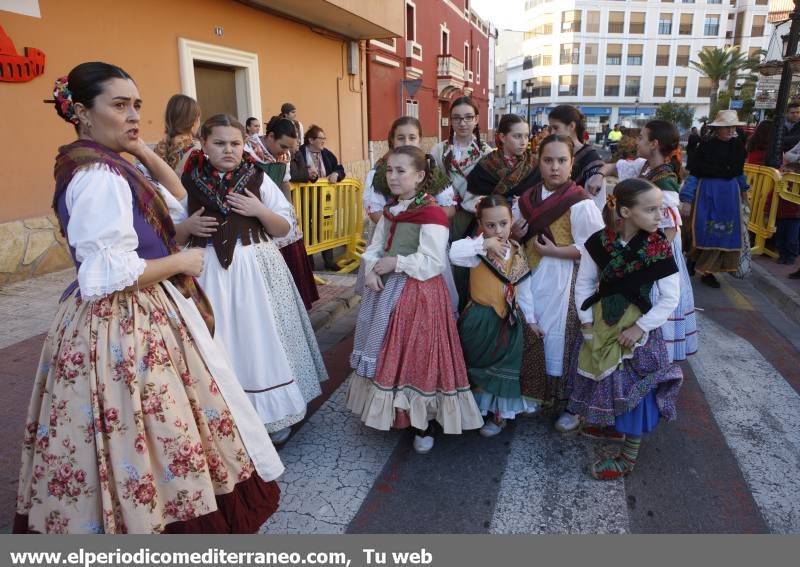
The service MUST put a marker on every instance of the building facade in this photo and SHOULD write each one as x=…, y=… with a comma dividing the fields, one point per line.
x=246, y=58
x=618, y=60
x=442, y=54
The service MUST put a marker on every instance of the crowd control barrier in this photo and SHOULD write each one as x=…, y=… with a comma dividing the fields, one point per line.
x=765, y=183
x=331, y=215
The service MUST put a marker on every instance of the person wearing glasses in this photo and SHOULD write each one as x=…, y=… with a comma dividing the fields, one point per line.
x=313, y=161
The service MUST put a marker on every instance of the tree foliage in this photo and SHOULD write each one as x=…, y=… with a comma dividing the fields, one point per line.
x=677, y=113
x=719, y=64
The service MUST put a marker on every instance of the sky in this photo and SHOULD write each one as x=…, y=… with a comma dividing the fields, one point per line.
x=504, y=14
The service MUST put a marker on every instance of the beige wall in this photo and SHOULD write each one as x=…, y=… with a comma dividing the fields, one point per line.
x=296, y=64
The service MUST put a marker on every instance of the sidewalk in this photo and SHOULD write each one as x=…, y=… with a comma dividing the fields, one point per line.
x=27, y=309
x=771, y=279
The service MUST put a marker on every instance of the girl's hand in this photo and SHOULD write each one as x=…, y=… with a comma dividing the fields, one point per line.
x=385, y=266
x=191, y=261
x=630, y=336
x=594, y=184
x=333, y=178
x=549, y=247
x=536, y=330
x=686, y=209
x=198, y=225
x=373, y=281
x=247, y=205
x=519, y=229
x=496, y=247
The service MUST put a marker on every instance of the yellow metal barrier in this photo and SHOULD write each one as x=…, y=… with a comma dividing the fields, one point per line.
x=765, y=183
x=331, y=215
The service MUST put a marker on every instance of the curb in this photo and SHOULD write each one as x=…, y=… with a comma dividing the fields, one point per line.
x=332, y=310
x=781, y=295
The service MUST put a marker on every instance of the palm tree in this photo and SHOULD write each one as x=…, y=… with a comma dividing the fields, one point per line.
x=720, y=63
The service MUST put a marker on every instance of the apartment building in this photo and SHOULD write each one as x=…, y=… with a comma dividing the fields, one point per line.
x=618, y=60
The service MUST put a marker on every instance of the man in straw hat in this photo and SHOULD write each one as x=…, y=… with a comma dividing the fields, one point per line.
x=711, y=198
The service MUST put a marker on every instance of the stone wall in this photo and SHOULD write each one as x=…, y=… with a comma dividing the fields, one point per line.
x=31, y=247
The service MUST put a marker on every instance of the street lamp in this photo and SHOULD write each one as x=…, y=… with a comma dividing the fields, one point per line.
x=529, y=94
x=774, y=154
x=636, y=113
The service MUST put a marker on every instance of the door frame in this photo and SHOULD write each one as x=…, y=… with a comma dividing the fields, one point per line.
x=245, y=66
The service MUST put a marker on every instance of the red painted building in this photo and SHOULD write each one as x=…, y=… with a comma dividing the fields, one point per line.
x=444, y=54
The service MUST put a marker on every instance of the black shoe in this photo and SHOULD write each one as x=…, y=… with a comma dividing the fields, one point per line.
x=710, y=280
x=795, y=275
x=690, y=267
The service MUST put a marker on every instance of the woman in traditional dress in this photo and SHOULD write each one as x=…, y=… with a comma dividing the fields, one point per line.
x=181, y=121
x=658, y=147
x=509, y=170
x=559, y=217
x=261, y=318
x=566, y=120
x=136, y=422
x=407, y=360
x=274, y=157
x=712, y=196
x=491, y=325
x=624, y=382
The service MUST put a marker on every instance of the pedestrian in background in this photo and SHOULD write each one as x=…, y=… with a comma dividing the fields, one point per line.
x=289, y=112
x=181, y=122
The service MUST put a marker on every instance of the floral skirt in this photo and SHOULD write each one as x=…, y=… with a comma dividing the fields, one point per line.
x=622, y=392
x=128, y=431
x=407, y=359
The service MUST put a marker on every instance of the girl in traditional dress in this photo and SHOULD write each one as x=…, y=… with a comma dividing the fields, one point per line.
x=407, y=131
x=136, y=423
x=407, y=359
x=712, y=196
x=624, y=380
x=566, y=120
x=261, y=318
x=181, y=121
x=658, y=147
x=510, y=170
x=457, y=156
x=558, y=216
x=273, y=159
x=491, y=325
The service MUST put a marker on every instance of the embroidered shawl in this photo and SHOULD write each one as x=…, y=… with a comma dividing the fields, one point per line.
x=211, y=187
x=663, y=177
x=494, y=174
x=541, y=213
x=423, y=210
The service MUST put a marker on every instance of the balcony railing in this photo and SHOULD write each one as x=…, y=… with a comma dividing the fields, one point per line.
x=616, y=27
x=568, y=90
x=614, y=60
x=664, y=28
x=711, y=29
x=662, y=60
x=573, y=58
x=413, y=50
x=634, y=59
x=631, y=90
x=450, y=67
x=660, y=91
x=611, y=91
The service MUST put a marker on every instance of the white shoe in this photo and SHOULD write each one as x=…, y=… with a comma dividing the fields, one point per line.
x=492, y=428
x=423, y=445
x=567, y=422
x=280, y=437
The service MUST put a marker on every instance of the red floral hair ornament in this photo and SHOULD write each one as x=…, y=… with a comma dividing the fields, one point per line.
x=63, y=99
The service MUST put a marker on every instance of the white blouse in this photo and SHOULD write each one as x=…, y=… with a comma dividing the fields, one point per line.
x=428, y=261
x=669, y=291
x=466, y=253
x=100, y=229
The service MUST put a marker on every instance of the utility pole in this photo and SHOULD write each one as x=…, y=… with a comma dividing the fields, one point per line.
x=529, y=94
x=774, y=155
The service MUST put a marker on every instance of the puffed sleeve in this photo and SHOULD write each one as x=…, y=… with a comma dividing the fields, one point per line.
x=525, y=300
x=670, y=212
x=669, y=292
x=274, y=199
x=177, y=209
x=374, y=251
x=430, y=259
x=447, y=197
x=585, y=219
x=100, y=229
x=585, y=286
x=466, y=252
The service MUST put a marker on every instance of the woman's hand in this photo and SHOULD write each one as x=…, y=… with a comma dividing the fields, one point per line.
x=191, y=261
x=549, y=248
x=139, y=149
x=333, y=178
x=536, y=330
x=198, y=225
x=630, y=336
x=313, y=174
x=594, y=184
x=385, y=266
x=685, y=209
x=496, y=247
x=373, y=281
x=247, y=205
